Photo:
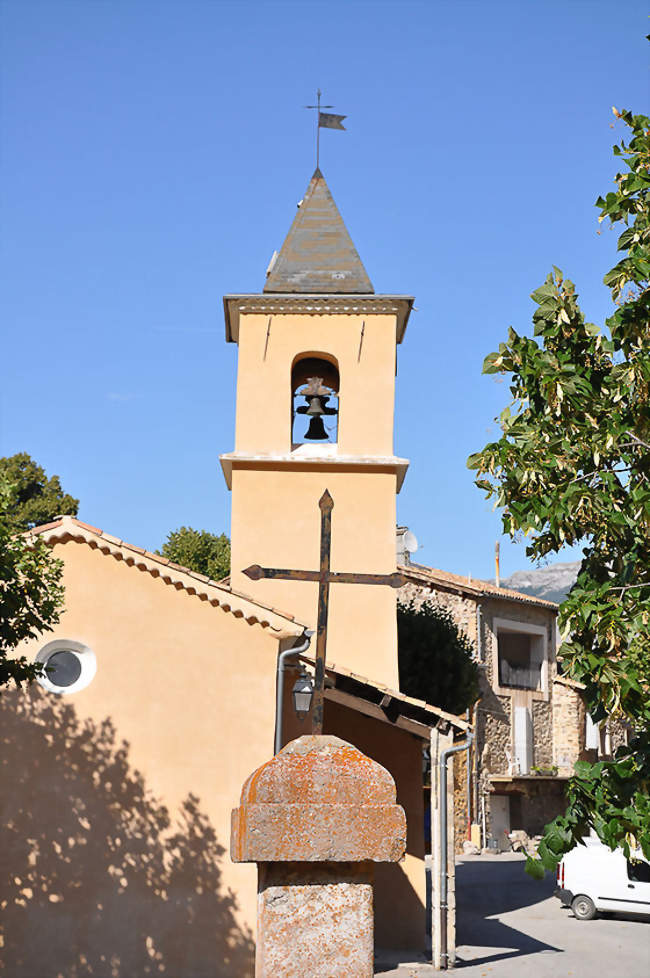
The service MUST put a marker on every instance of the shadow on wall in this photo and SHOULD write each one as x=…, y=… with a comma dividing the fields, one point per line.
x=95, y=880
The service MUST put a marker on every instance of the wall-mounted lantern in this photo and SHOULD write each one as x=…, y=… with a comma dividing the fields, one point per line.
x=303, y=691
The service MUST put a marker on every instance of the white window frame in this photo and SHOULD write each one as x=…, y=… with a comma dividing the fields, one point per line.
x=538, y=631
x=86, y=657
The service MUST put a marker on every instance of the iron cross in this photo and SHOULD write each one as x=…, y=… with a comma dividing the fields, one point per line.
x=318, y=107
x=324, y=577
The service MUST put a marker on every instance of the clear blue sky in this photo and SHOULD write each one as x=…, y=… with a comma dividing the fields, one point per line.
x=153, y=154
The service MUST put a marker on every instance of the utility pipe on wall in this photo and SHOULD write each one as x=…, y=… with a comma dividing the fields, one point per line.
x=477, y=759
x=279, y=685
x=442, y=782
x=468, y=786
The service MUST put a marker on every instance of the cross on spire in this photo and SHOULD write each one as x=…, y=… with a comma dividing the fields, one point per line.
x=324, y=576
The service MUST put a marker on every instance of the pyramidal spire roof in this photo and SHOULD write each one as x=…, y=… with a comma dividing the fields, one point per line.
x=318, y=254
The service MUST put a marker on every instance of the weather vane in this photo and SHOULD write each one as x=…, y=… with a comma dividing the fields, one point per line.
x=325, y=120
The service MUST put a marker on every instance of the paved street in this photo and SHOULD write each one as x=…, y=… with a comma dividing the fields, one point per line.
x=509, y=926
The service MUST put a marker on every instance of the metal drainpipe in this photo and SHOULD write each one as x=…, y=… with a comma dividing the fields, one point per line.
x=477, y=758
x=456, y=749
x=468, y=787
x=279, y=685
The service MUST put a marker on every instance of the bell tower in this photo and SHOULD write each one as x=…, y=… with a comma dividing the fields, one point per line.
x=315, y=405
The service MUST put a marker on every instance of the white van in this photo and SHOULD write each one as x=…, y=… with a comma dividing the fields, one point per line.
x=591, y=878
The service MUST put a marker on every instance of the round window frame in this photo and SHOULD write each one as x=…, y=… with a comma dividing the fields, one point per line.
x=86, y=657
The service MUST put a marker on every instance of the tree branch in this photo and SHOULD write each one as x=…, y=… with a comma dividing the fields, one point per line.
x=638, y=440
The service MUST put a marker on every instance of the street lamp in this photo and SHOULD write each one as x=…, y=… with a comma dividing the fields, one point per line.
x=303, y=691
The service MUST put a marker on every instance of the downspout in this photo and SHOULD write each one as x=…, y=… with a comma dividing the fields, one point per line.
x=468, y=786
x=442, y=781
x=279, y=684
x=477, y=758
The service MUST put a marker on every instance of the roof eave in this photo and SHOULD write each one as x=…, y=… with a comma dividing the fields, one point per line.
x=68, y=528
x=315, y=303
x=427, y=577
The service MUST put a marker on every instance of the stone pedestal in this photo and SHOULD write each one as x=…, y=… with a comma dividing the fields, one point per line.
x=315, y=818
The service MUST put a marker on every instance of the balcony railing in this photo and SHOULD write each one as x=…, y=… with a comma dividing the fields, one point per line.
x=519, y=677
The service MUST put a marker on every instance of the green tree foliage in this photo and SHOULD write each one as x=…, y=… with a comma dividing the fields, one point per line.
x=573, y=466
x=31, y=593
x=37, y=499
x=203, y=552
x=435, y=659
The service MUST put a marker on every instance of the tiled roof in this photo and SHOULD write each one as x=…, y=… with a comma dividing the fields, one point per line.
x=417, y=573
x=318, y=254
x=216, y=593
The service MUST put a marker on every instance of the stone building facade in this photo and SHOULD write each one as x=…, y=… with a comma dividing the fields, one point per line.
x=530, y=722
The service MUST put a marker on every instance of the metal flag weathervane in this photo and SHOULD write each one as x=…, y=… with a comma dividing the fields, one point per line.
x=324, y=577
x=325, y=120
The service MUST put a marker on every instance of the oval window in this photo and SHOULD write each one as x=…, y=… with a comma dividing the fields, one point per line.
x=69, y=666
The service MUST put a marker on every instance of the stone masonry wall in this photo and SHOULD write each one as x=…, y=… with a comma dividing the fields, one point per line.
x=463, y=609
x=495, y=733
x=543, y=734
x=619, y=734
x=568, y=726
x=460, y=799
x=558, y=719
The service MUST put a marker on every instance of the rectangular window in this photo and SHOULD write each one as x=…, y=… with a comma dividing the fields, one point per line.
x=520, y=660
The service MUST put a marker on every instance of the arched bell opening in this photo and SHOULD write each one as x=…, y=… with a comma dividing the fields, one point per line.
x=314, y=399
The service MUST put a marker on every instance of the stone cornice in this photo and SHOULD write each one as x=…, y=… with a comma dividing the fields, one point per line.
x=315, y=305
x=243, y=460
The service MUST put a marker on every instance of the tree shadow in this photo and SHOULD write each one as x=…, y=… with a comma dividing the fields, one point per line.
x=486, y=887
x=96, y=880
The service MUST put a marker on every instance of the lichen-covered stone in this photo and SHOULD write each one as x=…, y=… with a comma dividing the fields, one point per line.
x=319, y=800
x=315, y=921
x=315, y=818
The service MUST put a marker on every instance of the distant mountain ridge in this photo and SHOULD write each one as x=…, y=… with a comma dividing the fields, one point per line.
x=551, y=583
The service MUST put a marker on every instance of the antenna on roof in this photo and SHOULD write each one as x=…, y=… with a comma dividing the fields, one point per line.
x=497, y=552
x=407, y=544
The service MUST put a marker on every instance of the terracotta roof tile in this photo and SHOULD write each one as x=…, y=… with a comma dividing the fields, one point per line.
x=471, y=586
x=240, y=605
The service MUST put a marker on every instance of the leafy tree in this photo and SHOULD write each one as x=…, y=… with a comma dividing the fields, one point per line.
x=573, y=466
x=435, y=658
x=31, y=593
x=203, y=552
x=37, y=499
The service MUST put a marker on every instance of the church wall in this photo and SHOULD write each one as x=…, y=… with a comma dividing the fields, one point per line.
x=190, y=690
x=400, y=891
x=276, y=523
x=366, y=369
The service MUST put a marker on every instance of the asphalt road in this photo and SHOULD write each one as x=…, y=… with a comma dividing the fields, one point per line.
x=511, y=926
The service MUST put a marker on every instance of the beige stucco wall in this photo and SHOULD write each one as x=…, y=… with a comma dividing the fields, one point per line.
x=275, y=515
x=400, y=891
x=276, y=522
x=189, y=689
x=366, y=370
x=116, y=799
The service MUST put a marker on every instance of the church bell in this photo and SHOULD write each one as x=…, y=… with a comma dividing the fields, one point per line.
x=317, y=397
x=316, y=430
